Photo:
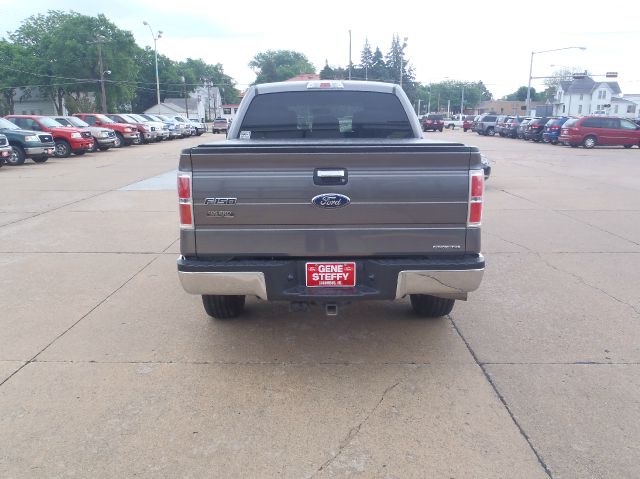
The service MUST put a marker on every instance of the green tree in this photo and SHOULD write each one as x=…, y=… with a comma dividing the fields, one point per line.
x=521, y=95
x=15, y=63
x=67, y=45
x=279, y=65
x=327, y=73
x=366, y=60
x=379, y=71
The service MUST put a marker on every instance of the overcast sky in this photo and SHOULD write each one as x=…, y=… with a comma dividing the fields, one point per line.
x=458, y=40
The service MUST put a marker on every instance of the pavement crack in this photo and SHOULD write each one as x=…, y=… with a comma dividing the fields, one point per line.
x=581, y=280
x=579, y=220
x=354, y=431
x=502, y=399
x=34, y=358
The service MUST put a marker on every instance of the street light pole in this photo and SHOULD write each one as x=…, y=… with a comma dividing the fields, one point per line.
x=155, y=49
x=528, y=102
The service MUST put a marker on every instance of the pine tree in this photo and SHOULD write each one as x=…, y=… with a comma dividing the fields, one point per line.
x=366, y=59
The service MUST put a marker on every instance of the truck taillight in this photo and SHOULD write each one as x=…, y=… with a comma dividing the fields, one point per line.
x=185, y=200
x=476, y=195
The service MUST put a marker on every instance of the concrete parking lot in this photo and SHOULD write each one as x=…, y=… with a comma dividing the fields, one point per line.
x=108, y=369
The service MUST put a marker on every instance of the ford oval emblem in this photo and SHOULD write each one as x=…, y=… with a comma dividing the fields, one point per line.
x=331, y=200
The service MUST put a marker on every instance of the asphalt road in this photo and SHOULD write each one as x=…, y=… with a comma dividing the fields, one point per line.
x=108, y=369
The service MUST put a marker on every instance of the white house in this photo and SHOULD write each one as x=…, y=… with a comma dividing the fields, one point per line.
x=33, y=102
x=584, y=96
x=203, y=103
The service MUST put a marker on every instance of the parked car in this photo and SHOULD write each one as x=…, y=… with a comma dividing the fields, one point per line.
x=590, y=131
x=501, y=121
x=103, y=138
x=433, y=122
x=67, y=140
x=535, y=128
x=522, y=127
x=5, y=149
x=161, y=128
x=467, y=124
x=511, y=126
x=168, y=126
x=126, y=134
x=26, y=144
x=552, y=129
x=486, y=124
x=187, y=125
x=486, y=167
x=148, y=132
x=199, y=126
x=181, y=129
x=220, y=125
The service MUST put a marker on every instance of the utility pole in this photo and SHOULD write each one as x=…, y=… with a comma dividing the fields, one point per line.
x=103, y=95
x=186, y=104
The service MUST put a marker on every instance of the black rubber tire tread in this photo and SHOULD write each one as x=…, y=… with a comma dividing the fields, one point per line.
x=42, y=159
x=429, y=306
x=103, y=148
x=585, y=142
x=628, y=146
x=223, y=307
x=120, y=140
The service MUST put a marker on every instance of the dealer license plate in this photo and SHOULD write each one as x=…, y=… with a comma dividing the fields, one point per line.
x=331, y=275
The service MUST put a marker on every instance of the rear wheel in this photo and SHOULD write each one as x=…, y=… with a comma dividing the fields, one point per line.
x=628, y=146
x=94, y=145
x=223, y=307
x=17, y=156
x=429, y=306
x=63, y=149
x=491, y=131
x=589, y=142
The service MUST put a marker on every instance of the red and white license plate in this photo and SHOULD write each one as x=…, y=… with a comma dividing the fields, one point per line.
x=331, y=275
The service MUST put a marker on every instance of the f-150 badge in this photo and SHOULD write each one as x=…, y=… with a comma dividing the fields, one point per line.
x=220, y=201
x=331, y=200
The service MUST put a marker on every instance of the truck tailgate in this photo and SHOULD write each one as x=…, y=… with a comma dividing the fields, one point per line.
x=409, y=198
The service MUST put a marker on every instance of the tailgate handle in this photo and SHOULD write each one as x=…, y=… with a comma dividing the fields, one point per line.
x=330, y=176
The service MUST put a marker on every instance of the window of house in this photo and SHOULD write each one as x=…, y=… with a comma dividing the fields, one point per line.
x=631, y=108
x=560, y=95
x=580, y=96
x=615, y=109
x=579, y=109
x=226, y=111
x=563, y=108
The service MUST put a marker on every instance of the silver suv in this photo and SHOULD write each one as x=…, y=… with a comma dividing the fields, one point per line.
x=487, y=124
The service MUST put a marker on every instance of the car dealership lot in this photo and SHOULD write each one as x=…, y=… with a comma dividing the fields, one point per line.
x=109, y=369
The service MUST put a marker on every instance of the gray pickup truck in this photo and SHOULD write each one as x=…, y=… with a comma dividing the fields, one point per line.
x=326, y=193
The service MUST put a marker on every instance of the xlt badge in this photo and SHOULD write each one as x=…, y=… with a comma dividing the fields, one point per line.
x=220, y=201
x=220, y=214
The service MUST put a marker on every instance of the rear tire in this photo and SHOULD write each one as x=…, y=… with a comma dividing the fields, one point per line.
x=491, y=131
x=429, y=306
x=103, y=148
x=94, y=146
x=40, y=159
x=589, y=142
x=223, y=307
x=628, y=146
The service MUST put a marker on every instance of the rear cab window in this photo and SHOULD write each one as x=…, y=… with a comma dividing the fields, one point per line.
x=324, y=114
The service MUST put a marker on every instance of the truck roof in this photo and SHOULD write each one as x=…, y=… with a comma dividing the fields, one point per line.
x=351, y=85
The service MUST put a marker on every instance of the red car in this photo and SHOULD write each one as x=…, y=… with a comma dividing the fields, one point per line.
x=433, y=122
x=68, y=140
x=126, y=134
x=591, y=131
x=467, y=124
